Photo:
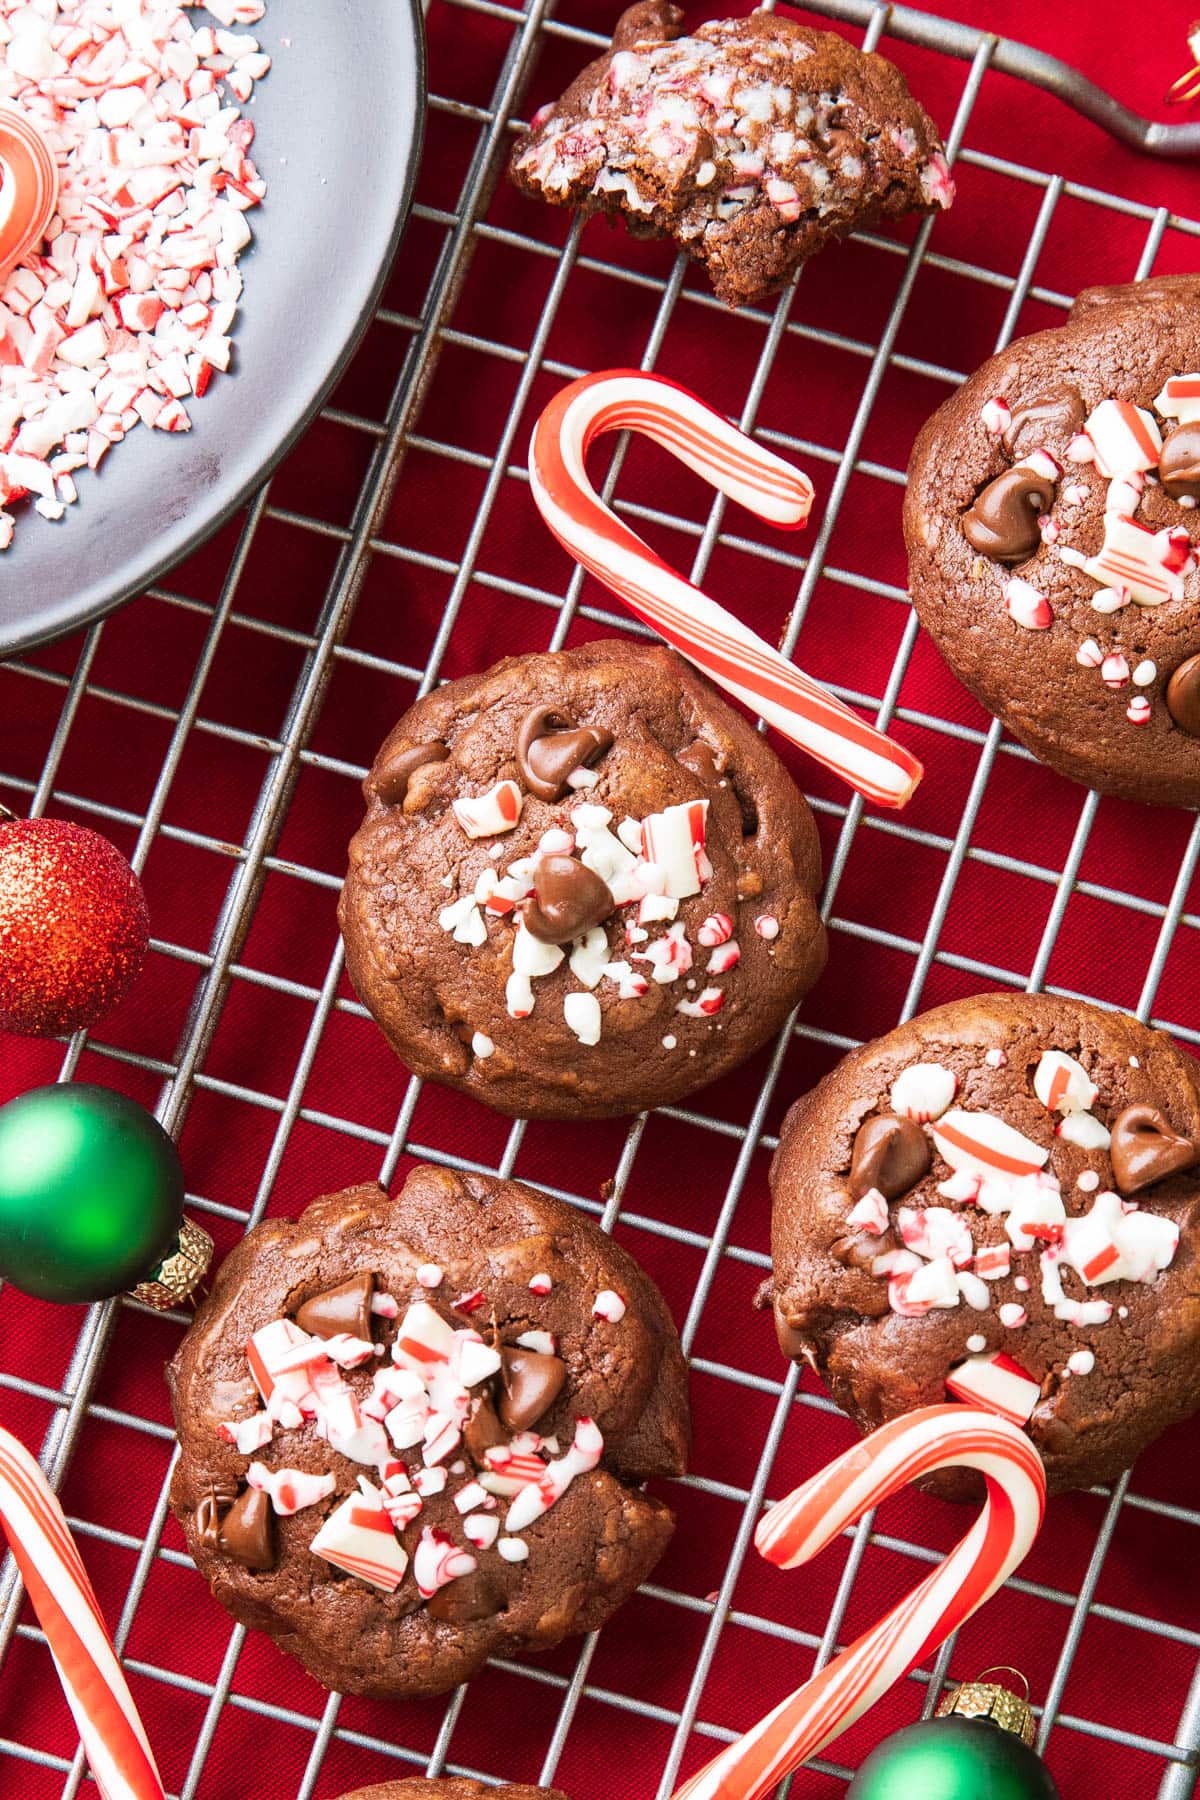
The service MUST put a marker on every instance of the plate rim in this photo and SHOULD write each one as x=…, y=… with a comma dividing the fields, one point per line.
x=35, y=638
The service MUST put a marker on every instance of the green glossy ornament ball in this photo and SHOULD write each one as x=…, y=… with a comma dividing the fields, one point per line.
x=91, y=1192
x=953, y=1759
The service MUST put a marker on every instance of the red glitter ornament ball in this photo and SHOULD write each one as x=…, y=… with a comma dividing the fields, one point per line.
x=73, y=926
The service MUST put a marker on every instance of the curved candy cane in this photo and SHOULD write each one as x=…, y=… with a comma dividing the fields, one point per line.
x=935, y=1437
x=28, y=188
x=707, y=634
x=57, y=1583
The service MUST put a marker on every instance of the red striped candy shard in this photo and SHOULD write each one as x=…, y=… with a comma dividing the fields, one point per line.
x=982, y=1144
x=996, y=1382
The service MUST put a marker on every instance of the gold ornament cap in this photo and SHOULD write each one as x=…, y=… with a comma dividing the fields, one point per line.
x=983, y=1699
x=174, y=1280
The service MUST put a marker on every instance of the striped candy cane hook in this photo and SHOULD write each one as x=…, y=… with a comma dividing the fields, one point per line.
x=57, y=1584
x=794, y=1531
x=28, y=188
x=735, y=657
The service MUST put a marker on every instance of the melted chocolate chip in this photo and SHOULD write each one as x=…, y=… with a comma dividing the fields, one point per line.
x=532, y=1383
x=1056, y=414
x=346, y=1307
x=467, y=1599
x=483, y=1430
x=246, y=1531
x=208, y=1513
x=569, y=899
x=1183, y=696
x=391, y=783
x=1003, y=523
x=550, y=745
x=890, y=1154
x=1179, y=462
x=1146, y=1148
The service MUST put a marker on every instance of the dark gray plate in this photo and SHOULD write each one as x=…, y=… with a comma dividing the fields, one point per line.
x=339, y=122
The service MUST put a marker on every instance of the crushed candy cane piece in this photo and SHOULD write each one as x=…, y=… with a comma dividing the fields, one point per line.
x=1138, y=710
x=997, y=1383
x=557, y=1476
x=290, y=1490
x=973, y=1290
x=248, y=1435
x=438, y=1560
x=1012, y=1315
x=1132, y=558
x=540, y=1283
x=1085, y=1131
x=716, y=929
x=544, y=1342
x=360, y=1537
x=923, y=1091
x=1179, y=398
x=767, y=926
x=935, y=1231
x=1025, y=606
x=582, y=1014
x=609, y=1305
x=981, y=1144
x=481, y=1529
x=993, y=1262
x=1062, y=1084
x=870, y=1213
x=430, y=1275
x=996, y=416
x=1082, y=1362
x=490, y=814
x=724, y=958
x=513, y=1550
x=674, y=840
x=704, y=1006
x=1124, y=437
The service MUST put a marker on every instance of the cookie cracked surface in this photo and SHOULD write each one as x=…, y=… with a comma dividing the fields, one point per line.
x=1049, y=1218
x=411, y=1431
x=752, y=143
x=612, y=947
x=1051, y=522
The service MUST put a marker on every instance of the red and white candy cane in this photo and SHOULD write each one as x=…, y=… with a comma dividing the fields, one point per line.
x=28, y=188
x=794, y=1531
x=707, y=634
x=57, y=1583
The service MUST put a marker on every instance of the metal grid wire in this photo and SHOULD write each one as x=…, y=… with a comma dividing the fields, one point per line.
x=359, y=544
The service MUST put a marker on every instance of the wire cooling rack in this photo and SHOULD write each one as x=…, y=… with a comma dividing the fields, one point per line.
x=217, y=729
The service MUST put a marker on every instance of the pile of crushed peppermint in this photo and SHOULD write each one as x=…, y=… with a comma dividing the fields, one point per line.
x=408, y=1430
x=125, y=314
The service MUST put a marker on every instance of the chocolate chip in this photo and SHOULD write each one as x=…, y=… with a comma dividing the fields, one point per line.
x=550, y=745
x=246, y=1531
x=1003, y=523
x=1146, y=1148
x=1053, y=415
x=569, y=899
x=890, y=1154
x=467, y=1599
x=346, y=1307
x=1179, y=462
x=208, y=1513
x=1183, y=696
x=532, y=1383
x=391, y=782
x=483, y=1431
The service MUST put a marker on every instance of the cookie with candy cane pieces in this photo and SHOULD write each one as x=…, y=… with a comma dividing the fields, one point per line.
x=1051, y=521
x=1036, y=1255
x=752, y=143
x=555, y=900
x=412, y=1431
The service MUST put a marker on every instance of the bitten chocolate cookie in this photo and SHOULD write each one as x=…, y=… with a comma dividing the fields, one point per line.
x=411, y=1431
x=450, y=1789
x=583, y=885
x=1000, y=1201
x=752, y=143
x=1051, y=525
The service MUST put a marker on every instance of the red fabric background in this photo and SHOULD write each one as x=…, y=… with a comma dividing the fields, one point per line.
x=1123, y=1677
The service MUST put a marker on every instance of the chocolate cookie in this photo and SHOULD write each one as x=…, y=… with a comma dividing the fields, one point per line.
x=752, y=143
x=583, y=885
x=450, y=1789
x=411, y=1431
x=1051, y=525
x=1000, y=1200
